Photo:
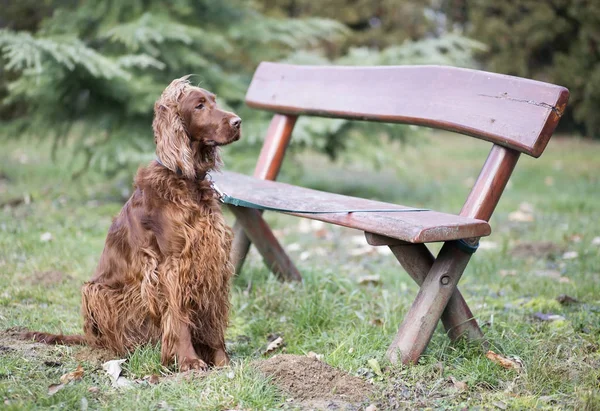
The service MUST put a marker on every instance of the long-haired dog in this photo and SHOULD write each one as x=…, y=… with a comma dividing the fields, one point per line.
x=164, y=273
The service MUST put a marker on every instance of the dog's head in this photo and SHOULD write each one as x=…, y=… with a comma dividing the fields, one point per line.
x=184, y=115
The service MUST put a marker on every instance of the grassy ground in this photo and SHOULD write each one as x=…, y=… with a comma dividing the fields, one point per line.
x=50, y=245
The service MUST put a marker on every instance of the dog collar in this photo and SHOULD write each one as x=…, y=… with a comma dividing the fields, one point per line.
x=179, y=172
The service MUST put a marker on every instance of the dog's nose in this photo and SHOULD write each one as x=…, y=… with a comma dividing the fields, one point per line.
x=235, y=122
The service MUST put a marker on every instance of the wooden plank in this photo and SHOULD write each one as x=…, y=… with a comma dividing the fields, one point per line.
x=420, y=321
x=414, y=227
x=267, y=168
x=417, y=260
x=262, y=237
x=440, y=284
x=510, y=111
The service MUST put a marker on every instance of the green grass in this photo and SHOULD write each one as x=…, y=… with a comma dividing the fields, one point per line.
x=329, y=313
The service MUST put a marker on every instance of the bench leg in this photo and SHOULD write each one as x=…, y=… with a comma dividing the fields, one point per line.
x=239, y=247
x=259, y=232
x=457, y=318
x=420, y=322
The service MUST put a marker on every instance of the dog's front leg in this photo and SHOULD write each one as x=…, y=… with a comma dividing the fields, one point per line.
x=175, y=323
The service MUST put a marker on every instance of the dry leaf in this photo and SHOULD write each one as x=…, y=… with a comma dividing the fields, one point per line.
x=54, y=388
x=521, y=217
x=500, y=404
x=357, y=252
x=459, y=385
x=152, y=379
x=564, y=280
x=45, y=237
x=548, y=317
x=526, y=207
x=374, y=364
x=565, y=299
x=504, y=361
x=274, y=345
x=548, y=273
x=370, y=279
x=113, y=369
x=487, y=245
x=377, y=322
x=94, y=389
x=72, y=376
x=315, y=355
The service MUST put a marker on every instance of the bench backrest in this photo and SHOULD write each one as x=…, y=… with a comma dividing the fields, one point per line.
x=509, y=111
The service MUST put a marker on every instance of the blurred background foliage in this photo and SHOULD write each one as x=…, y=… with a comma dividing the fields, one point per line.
x=91, y=71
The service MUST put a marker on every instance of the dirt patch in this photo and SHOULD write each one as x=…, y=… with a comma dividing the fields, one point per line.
x=95, y=356
x=11, y=342
x=543, y=249
x=314, y=383
x=48, y=278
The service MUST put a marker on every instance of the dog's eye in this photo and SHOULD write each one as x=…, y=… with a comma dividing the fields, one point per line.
x=200, y=106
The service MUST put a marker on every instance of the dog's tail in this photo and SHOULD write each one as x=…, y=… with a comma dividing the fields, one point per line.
x=47, y=338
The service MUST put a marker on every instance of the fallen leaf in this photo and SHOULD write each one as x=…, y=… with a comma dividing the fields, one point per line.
x=565, y=299
x=94, y=390
x=548, y=317
x=45, y=237
x=374, y=364
x=548, y=273
x=113, y=369
x=383, y=250
x=459, y=385
x=503, y=361
x=72, y=376
x=152, y=379
x=274, y=345
x=487, y=245
x=569, y=255
x=500, y=404
x=315, y=355
x=304, y=255
x=357, y=252
x=54, y=388
x=564, y=280
x=370, y=279
x=526, y=207
x=377, y=322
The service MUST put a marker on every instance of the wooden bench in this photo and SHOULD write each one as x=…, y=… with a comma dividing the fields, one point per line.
x=516, y=115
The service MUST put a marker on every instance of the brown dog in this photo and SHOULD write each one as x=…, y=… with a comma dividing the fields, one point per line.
x=164, y=273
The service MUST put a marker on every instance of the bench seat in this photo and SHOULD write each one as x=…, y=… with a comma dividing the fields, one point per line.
x=413, y=227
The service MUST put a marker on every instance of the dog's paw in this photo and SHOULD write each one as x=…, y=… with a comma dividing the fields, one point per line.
x=188, y=364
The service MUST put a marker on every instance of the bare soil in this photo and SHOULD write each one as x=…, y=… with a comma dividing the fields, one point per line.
x=313, y=384
x=537, y=250
x=11, y=342
x=48, y=278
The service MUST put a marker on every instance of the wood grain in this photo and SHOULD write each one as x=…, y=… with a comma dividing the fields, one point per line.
x=509, y=111
x=414, y=227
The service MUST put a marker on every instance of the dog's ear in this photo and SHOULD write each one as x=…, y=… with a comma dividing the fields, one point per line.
x=172, y=141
